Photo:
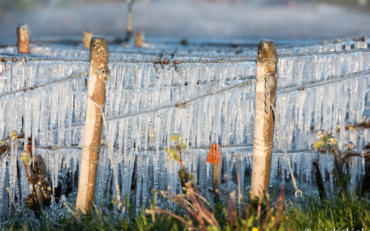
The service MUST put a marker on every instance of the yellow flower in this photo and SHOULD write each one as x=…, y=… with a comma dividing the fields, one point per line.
x=254, y=229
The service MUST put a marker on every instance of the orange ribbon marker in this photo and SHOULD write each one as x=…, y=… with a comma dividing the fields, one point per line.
x=214, y=154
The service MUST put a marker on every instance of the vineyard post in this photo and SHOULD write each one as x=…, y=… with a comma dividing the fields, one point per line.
x=360, y=42
x=139, y=39
x=93, y=124
x=129, y=20
x=263, y=118
x=23, y=37
x=87, y=38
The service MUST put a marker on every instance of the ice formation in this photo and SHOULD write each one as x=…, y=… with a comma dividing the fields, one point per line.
x=204, y=102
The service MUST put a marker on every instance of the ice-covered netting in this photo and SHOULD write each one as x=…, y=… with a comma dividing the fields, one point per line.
x=191, y=51
x=204, y=102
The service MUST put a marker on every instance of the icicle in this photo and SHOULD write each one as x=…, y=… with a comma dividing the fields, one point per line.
x=102, y=177
x=140, y=169
x=13, y=170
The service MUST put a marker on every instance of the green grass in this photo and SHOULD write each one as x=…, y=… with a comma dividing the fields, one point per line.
x=340, y=212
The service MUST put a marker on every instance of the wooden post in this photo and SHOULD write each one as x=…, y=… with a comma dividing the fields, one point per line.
x=139, y=39
x=93, y=124
x=87, y=38
x=360, y=42
x=129, y=26
x=264, y=118
x=216, y=178
x=23, y=39
x=129, y=20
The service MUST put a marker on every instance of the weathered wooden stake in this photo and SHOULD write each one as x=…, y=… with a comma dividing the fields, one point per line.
x=139, y=39
x=360, y=42
x=263, y=118
x=87, y=38
x=23, y=39
x=129, y=25
x=93, y=124
x=216, y=178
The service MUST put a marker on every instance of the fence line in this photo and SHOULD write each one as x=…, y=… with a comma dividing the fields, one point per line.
x=182, y=104
x=240, y=85
x=241, y=147
x=31, y=88
x=359, y=50
x=327, y=81
x=161, y=52
x=179, y=104
x=225, y=59
x=163, y=61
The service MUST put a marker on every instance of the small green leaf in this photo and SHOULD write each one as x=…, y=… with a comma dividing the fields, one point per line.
x=176, y=157
x=175, y=138
x=318, y=144
x=171, y=152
